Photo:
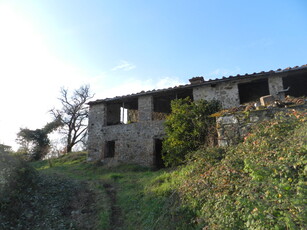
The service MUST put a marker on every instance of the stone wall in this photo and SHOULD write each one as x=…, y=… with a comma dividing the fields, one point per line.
x=232, y=128
x=226, y=92
x=145, y=105
x=97, y=120
x=134, y=143
x=276, y=86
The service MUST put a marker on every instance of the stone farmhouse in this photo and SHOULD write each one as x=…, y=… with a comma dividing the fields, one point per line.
x=129, y=129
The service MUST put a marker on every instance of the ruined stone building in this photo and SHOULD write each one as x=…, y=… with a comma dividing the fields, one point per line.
x=129, y=129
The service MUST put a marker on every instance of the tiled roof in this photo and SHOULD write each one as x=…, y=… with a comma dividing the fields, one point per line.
x=205, y=82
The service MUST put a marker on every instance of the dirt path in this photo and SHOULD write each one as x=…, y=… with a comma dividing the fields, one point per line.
x=116, y=213
x=83, y=208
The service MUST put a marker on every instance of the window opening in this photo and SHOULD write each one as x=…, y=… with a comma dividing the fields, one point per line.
x=297, y=85
x=123, y=115
x=252, y=91
x=162, y=103
x=124, y=112
x=113, y=114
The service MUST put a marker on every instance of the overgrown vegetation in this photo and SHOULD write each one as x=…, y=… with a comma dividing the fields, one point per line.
x=39, y=200
x=188, y=127
x=131, y=197
x=258, y=184
x=35, y=144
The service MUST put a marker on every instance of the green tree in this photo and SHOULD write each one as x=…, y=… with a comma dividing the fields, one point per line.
x=187, y=128
x=36, y=142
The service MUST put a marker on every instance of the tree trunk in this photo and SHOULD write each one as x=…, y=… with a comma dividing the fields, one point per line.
x=68, y=148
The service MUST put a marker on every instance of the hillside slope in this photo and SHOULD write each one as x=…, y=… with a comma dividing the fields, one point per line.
x=258, y=184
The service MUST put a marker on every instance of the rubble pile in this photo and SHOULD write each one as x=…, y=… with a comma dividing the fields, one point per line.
x=265, y=102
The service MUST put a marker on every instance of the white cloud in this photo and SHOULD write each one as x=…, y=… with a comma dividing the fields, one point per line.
x=131, y=86
x=124, y=65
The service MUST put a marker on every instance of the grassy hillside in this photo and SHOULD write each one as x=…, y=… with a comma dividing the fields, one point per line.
x=259, y=184
x=131, y=197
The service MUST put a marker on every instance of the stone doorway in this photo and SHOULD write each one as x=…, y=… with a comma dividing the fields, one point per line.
x=158, y=154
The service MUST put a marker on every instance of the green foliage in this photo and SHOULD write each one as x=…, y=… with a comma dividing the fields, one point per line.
x=36, y=142
x=187, y=128
x=15, y=178
x=147, y=199
x=41, y=200
x=259, y=184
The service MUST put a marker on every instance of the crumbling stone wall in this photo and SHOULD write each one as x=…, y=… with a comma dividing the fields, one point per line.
x=232, y=128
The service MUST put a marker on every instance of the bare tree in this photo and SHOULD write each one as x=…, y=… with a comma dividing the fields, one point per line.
x=74, y=114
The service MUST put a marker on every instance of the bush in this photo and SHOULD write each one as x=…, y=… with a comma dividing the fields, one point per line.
x=259, y=184
x=187, y=128
x=15, y=178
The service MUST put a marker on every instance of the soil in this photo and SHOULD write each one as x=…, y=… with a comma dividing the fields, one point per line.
x=83, y=210
x=115, y=215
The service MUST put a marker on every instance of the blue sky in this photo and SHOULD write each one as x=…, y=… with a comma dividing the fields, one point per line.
x=125, y=46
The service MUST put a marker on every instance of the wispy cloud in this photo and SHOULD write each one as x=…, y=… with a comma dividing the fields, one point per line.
x=124, y=65
x=137, y=85
x=168, y=82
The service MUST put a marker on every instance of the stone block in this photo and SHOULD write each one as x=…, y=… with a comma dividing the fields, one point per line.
x=227, y=120
x=254, y=119
x=267, y=100
x=222, y=142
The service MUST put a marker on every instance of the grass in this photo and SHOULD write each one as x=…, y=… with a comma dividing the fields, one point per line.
x=258, y=184
x=146, y=198
x=265, y=177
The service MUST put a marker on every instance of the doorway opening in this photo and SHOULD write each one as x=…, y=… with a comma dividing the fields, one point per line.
x=159, y=163
x=109, y=149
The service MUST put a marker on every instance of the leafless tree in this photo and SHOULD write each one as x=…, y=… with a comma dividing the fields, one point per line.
x=73, y=115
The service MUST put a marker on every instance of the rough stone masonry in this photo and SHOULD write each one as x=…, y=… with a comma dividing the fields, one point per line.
x=129, y=129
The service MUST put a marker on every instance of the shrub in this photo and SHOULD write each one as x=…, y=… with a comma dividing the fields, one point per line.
x=187, y=128
x=259, y=184
x=15, y=178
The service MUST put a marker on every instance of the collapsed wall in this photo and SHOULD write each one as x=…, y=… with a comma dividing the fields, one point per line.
x=233, y=127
